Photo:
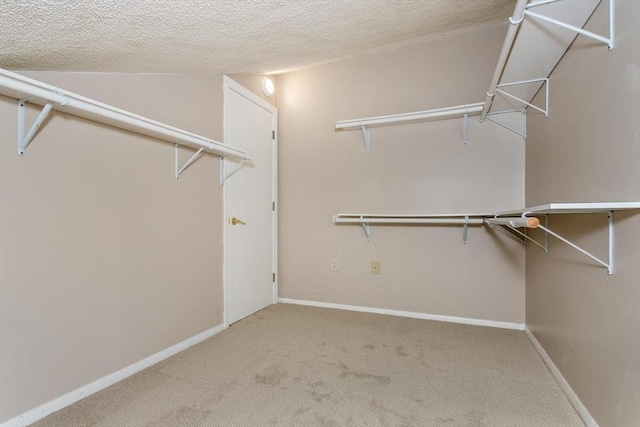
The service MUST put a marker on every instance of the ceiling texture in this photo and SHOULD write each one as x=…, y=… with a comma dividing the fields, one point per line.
x=222, y=36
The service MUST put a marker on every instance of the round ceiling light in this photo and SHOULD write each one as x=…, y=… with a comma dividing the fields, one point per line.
x=267, y=86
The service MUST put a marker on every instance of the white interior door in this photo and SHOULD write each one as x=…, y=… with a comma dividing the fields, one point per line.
x=249, y=124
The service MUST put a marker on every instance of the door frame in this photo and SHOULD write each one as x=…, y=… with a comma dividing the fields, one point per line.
x=228, y=86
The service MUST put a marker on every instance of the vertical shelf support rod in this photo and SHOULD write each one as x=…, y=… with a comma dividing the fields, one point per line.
x=464, y=126
x=464, y=229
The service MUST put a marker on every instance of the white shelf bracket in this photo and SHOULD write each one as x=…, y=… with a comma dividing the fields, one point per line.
x=366, y=228
x=188, y=162
x=523, y=134
x=527, y=238
x=464, y=126
x=25, y=137
x=602, y=39
x=223, y=176
x=465, y=228
x=366, y=134
x=545, y=82
x=609, y=264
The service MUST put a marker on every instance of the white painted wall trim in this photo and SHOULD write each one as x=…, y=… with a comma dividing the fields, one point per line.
x=54, y=405
x=564, y=385
x=411, y=314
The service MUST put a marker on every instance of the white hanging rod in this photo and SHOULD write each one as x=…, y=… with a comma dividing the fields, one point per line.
x=526, y=222
x=433, y=221
x=365, y=220
x=26, y=89
x=437, y=113
x=514, y=20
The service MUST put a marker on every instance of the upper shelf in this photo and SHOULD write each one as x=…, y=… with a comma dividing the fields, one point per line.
x=573, y=208
x=546, y=30
x=51, y=97
x=539, y=34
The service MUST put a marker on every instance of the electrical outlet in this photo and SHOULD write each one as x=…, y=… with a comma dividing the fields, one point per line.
x=334, y=265
x=375, y=267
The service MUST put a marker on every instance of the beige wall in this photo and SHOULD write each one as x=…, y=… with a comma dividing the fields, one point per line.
x=588, y=150
x=412, y=168
x=254, y=84
x=105, y=257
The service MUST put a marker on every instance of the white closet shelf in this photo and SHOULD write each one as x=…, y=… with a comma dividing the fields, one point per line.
x=562, y=208
x=572, y=208
x=535, y=42
x=53, y=98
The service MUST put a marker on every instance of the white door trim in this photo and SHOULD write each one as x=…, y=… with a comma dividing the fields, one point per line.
x=230, y=85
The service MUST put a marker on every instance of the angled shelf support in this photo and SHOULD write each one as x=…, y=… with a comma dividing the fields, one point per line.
x=512, y=224
x=25, y=137
x=223, y=167
x=545, y=82
x=366, y=228
x=366, y=134
x=188, y=163
x=608, y=41
x=523, y=133
x=609, y=264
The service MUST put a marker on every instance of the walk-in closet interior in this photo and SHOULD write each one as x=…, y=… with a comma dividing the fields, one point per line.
x=415, y=213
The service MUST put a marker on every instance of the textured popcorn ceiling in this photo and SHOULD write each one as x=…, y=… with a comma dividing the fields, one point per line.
x=209, y=36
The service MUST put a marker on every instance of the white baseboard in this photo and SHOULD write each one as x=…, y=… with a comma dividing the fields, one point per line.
x=42, y=411
x=414, y=315
x=564, y=385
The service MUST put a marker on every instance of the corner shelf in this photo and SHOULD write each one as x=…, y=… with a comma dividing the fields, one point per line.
x=534, y=44
x=564, y=208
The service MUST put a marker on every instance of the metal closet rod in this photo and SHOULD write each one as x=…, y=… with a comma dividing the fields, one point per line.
x=438, y=113
x=29, y=89
x=404, y=219
x=524, y=221
x=516, y=18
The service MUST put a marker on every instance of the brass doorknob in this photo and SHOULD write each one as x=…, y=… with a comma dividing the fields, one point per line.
x=235, y=221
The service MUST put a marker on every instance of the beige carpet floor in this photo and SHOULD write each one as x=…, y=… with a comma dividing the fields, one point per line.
x=301, y=366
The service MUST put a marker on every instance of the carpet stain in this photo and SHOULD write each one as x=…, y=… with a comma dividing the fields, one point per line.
x=400, y=352
x=317, y=394
x=369, y=346
x=326, y=422
x=271, y=376
x=347, y=372
x=183, y=416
